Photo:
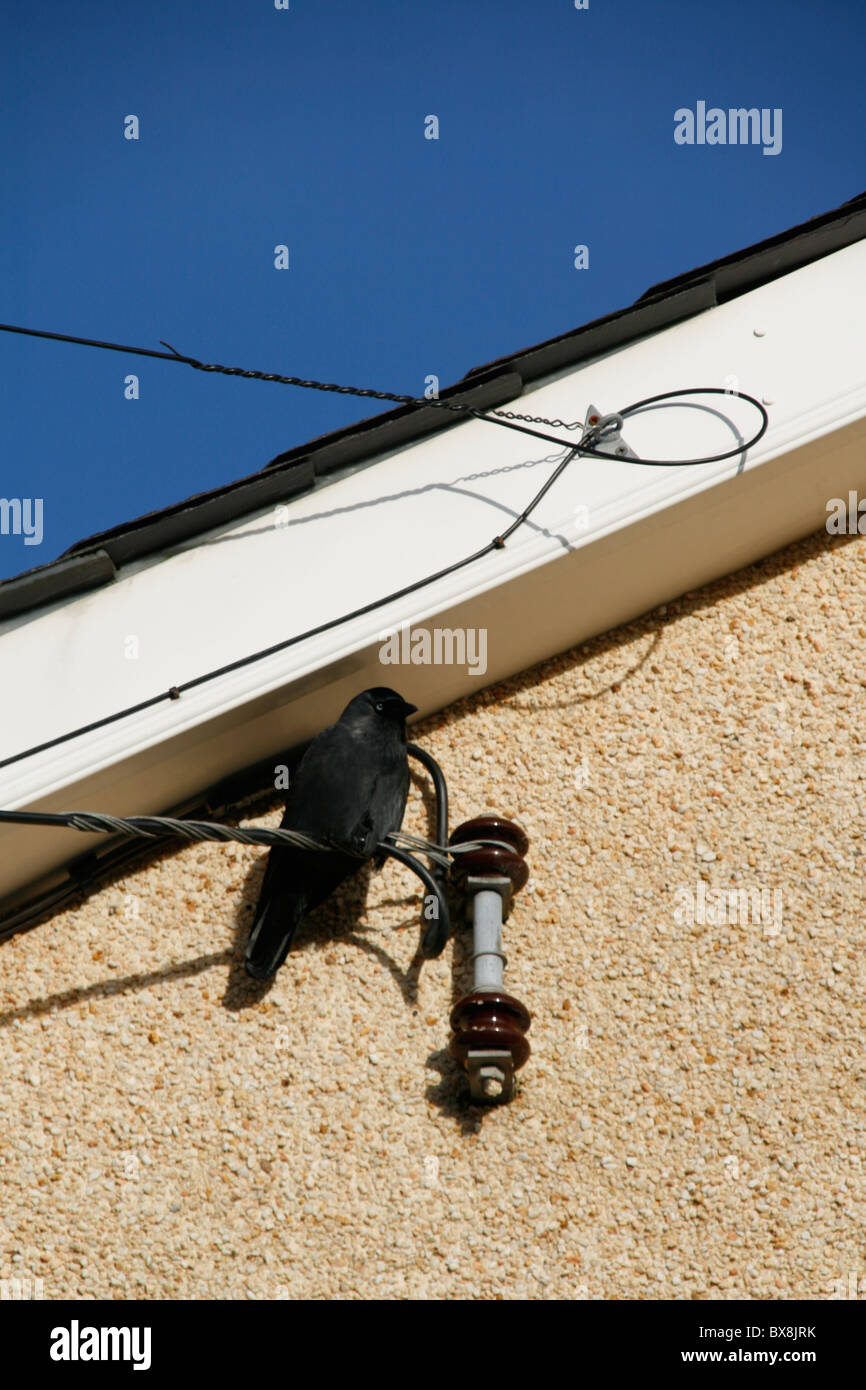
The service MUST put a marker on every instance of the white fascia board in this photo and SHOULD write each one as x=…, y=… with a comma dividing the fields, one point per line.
x=650, y=534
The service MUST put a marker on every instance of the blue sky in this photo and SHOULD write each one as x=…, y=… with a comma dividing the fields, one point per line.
x=407, y=256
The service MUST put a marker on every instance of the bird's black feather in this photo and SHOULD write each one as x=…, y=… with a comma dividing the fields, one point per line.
x=349, y=791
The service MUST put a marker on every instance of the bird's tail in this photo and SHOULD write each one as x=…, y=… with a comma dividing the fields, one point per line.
x=280, y=913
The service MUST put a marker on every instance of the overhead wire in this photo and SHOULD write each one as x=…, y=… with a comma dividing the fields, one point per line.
x=153, y=827
x=506, y=419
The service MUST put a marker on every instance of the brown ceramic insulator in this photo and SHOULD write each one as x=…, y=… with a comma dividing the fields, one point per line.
x=500, y=863
x=483, y=1001
x=487, y=1020
x=492, y=828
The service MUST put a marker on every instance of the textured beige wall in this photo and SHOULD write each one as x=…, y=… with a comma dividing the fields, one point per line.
x=691, y=1122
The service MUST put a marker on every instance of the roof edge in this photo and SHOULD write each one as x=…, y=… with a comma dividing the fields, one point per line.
x=94, y=561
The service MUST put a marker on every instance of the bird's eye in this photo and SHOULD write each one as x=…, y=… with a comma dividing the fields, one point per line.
x=380, y=706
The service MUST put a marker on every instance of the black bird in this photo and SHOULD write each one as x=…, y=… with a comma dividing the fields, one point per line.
x=350, y=789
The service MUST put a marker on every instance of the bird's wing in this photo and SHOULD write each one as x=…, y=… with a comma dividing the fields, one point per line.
x=350, y=787
x=333, y=787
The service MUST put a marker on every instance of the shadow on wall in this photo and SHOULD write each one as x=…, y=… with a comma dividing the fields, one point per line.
x=342, y=914
x=340, y=918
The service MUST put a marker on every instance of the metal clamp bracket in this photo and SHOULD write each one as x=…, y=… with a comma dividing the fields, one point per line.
x=606, y=434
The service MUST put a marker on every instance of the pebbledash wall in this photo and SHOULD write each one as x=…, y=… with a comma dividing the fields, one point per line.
x=691, y=1121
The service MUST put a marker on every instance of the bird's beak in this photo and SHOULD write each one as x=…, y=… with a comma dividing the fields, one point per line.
x=406, y=709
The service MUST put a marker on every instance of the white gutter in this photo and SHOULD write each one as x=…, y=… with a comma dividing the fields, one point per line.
x=650, y=534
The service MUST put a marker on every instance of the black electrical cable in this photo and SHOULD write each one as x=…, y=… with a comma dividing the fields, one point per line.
x=633, y=410
x=440, y=788
x=506, y=418
x=174, y=356
x=439, y=928
x=177, y=690
x=498, y=542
